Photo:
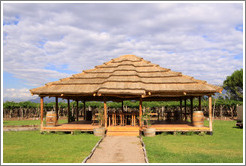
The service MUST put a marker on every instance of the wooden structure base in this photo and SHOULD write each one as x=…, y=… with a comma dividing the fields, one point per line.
x=177, y=127
x=127, y=130
x=79, y=125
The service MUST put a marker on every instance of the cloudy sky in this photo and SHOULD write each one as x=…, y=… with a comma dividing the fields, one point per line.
x=44, y=42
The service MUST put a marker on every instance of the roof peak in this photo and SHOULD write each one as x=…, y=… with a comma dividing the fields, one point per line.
x=127, y=57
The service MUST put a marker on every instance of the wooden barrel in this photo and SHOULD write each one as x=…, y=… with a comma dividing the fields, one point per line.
x=99, y=131
x=51, y=118
x=198, y=119
x=149, y=132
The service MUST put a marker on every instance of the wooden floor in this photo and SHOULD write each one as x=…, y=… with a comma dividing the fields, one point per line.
x=117, y=130
x=77, y=125
x=177, y=127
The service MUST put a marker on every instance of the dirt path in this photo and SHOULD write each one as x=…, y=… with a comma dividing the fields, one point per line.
x=118, y=149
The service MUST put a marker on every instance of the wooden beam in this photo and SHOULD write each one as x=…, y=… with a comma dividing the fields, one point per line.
x=57, y=116
x=42, y=111
x=140, y=112
x=200, y=103
x=185, y=111
x=191, y=108
x=105, y=112
x=68, y=110
x=84, y=111
x=210, y=113
x=77, y=110
x=181, y=110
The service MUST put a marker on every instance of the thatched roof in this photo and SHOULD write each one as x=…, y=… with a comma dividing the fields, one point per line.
x=128, y=76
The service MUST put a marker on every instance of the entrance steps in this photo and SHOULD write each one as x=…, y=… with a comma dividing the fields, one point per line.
x=123, y=131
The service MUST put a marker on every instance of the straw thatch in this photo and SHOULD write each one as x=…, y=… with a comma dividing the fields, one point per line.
x=128, y=76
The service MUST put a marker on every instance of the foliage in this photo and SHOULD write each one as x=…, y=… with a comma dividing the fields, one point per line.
x=130, y=104
x=146, y=116
x=27, y=122
x=33, y=147
x=234, y=85
x=100, y=116
x=224, y=146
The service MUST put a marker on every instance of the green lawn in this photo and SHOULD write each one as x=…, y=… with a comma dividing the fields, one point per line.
x=225, y=146
x=27, y=122
x=33, y=147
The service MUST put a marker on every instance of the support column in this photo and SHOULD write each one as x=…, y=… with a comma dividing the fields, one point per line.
x=210, y=112
x=42, y=111
x=185, y=111
x=191, y=109
x=84, y=110
x=200, y=103
x=57, y=116
x=105, y=113
x=77, y=110
x=181, y=114
x=68, y=110
x=140, y=112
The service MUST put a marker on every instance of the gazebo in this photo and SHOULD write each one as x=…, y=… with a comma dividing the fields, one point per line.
x=127, y=77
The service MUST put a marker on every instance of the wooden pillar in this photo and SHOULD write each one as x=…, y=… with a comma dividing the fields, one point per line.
x=84, y=110
x=77, y=110
x=210, y=112
x=200, y=103
x=57, y=116
x=191, y=108
x=140, y=112
x=181, y=110
x=105, y=112
x=68, y=110
x=185, y=111
x=42, y=110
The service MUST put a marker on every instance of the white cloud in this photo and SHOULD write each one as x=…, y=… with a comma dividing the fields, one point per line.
x=200, y=40
x=17, y=95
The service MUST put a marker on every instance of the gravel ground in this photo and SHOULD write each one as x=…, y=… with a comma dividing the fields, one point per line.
x=118, y=149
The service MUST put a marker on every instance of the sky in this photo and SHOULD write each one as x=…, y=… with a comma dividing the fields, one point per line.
x=44, y=42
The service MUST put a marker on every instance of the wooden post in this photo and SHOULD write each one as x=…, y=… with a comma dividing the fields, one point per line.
x=68, y=110
x=210, y=113
x=77, y=110
x=140, y=112
x=57, y=116
x=200, y=103
x=181, y=109
x=42, y=110
x=185, y=111
x=105, y=112
x=84, y=110
x=191, y=108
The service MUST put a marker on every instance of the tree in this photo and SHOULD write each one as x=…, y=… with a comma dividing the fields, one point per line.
x=234, y=85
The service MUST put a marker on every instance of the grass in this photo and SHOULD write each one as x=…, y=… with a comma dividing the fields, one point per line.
x=33, y=147
x=27, y=122
x=225, y=146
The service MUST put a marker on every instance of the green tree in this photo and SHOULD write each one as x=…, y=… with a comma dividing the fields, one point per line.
x=234, y=85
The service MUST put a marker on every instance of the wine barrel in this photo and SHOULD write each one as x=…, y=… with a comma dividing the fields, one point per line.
x=198, y=119
x=99, y=131
x=51, y=118
x=149, y=132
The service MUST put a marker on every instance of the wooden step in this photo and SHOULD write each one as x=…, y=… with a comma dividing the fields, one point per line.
x=119, y=128
x=122, y=133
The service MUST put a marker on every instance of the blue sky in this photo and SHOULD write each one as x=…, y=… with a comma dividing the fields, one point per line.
x=47, y=42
